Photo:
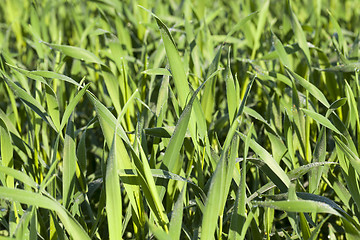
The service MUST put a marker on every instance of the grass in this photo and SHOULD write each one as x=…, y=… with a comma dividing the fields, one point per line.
x=179, y=120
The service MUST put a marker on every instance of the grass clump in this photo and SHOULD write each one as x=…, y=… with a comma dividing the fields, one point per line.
x=181, y=120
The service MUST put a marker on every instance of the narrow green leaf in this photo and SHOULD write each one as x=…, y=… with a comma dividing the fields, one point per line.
x=338, y=103
x=19, y=176
x=351, y=232
x=75, y=52
x=315, y=233
x=54, y=75
x=28, y=74
x=52, y=106
x=349, y=67
x=273, y=170
x=299, y=33
x=321, y=199
x=231, y=98
x=342, y=43
x=208, y=98
x=177, y=216
x=298, y=206
x=160, y=173
x=69, y=163
x=321, y=119
x=212, y=205
x=157, y=71
x=219, y=189
x=353, y=117
x=31, y=102
x=108, y=125
x=238, y=218
x=107, y=120
x=263, y=14
x=293, y=175
x=148, y=186
x=173, y=149
x=278, y=148
x=176, y=65
x=313, y=90
x=30, y=198
x=281, y=52
x=6, y=147
x=339, y=188
x=113, y=194
x=353, y=157
x=236, y=123
x=318, y=156
x=163, y=132
x=304, y=225
x=158, y=232
x=180, y=79
x=239, y=25
x=112, y=86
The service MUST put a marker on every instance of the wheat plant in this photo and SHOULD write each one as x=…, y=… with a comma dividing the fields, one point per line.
x=177, y=119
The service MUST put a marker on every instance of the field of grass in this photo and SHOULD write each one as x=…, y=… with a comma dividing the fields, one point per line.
x=175, y=119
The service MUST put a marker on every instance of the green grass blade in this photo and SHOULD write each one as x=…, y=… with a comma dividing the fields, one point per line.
x=52, y=106
x=299, y=33
x=75, y=52
x=28, y=74
x=338, y=103
x=112, y=87
x=219, y=188
x=180, y=79
x=109, y=125
x=113, y=194
x=158, y=232
x=173, y=149
x=19, y=176
x=30, y=198
x=318, y=156
x=321, y=119
x=148, y=186
x=349, y=67
x=240, y=24
x=157, y=71
x=293, y=175
x=6, y=149
x=353, y=117
x=217, y=185
x=274, y=171
x=232, y=100
x=31, y=102
x=342, y=42
x=177, y=216
x=313, y=90
x=315, y=233
x=236, y=123
x=176, y=65
x=69, y=163
x=281, y=52
x=298, y=206
x=237, y=224
x=163, y=132
x=353, y=157
x=54, y=75
x=304, y=226
x=215, y=195
x=107, y=120
x=208, y=98
x=159, y=173
x=263, y=14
